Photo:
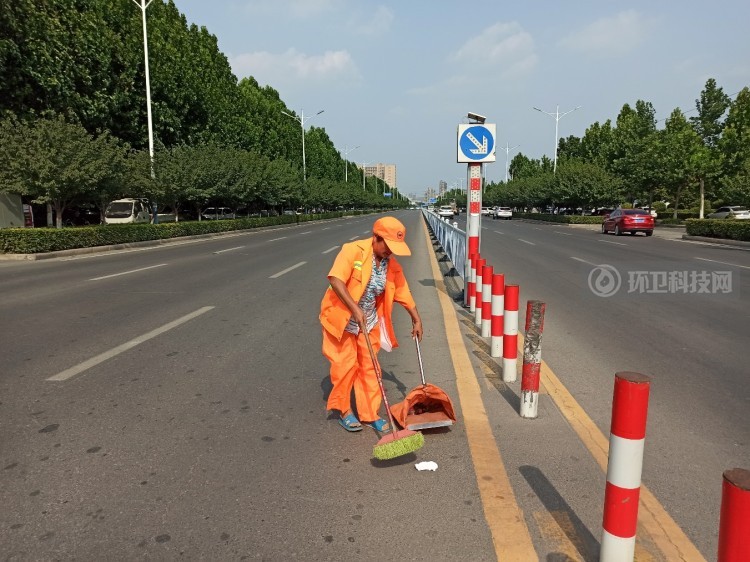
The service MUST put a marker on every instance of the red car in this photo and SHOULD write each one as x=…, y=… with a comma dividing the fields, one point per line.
x=628, y=220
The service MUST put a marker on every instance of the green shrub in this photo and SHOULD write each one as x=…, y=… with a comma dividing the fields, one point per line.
x=40, y=240
x=719, y=228
x=564, y=219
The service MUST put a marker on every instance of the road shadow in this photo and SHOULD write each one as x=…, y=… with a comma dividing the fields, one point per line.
x=564, y=516
x=481, y=350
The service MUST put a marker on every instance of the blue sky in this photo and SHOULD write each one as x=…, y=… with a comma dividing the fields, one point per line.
x=395, y=78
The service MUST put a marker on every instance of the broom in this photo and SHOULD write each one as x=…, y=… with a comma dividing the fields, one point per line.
x=396, y=443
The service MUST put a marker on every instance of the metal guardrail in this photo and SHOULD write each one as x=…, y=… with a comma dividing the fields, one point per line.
x=451, y=238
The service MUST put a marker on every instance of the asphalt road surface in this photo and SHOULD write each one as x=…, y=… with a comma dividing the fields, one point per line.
x=170, y=402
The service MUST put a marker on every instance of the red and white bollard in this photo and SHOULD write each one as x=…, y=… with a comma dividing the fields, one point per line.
x=510, y=333
x=734, y=522
x=496, y=323
x=487, y=272
x=478, y=292
x=532, y=359
x=626, y=440
x=471, y=286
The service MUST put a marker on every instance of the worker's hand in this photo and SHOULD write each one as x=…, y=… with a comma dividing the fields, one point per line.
x=359, y=317
x=416, y=329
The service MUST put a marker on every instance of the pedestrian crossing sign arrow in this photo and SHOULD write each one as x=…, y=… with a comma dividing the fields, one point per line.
x=476, y=143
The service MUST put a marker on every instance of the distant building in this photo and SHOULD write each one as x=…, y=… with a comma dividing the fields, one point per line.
x=385, y=172
x=442, y=188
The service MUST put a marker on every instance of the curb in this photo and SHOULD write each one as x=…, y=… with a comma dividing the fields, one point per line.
x=722, y=241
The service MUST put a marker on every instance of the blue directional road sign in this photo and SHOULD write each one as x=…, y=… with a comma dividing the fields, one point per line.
x=476, y=143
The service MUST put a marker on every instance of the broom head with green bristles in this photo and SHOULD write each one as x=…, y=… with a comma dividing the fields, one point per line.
x=397, y=444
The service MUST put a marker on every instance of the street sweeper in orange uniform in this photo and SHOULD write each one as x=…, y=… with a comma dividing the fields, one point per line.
x=365, y=281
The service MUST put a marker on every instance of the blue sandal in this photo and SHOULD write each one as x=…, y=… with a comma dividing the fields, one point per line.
x=350, y=423
x=381, y=425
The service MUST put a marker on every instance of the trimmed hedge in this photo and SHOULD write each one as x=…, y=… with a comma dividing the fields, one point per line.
x=39, y=240
x=730, y=229
x=565, y=219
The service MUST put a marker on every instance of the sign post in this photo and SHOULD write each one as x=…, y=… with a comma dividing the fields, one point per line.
x=476, y=145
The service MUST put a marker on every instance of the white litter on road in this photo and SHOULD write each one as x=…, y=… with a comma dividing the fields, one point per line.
x=426, y=465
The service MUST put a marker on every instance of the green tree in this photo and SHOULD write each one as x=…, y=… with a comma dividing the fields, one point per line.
x=56, y=162
x=683, y=155
x=711, y=107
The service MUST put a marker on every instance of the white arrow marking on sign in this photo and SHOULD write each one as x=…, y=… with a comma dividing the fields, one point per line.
x=481, y=147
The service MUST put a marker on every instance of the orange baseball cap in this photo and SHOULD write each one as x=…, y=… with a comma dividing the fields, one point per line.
x=393, y=232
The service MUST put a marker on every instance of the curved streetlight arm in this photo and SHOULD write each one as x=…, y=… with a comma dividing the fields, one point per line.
x=557, y=117
x=347, y=150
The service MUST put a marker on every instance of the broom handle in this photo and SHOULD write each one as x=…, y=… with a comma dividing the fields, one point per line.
x=376, y=365
x=419, y=356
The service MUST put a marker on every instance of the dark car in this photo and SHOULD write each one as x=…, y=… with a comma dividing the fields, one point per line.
x=628, y=220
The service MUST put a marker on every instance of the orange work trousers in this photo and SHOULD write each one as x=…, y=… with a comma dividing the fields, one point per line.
x=351, y=367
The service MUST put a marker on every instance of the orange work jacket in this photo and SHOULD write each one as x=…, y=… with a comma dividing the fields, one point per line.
x=353, y=266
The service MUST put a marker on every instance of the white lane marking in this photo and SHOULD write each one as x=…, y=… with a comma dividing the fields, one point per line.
x=563, y=233
x=611, y=242
x=725, y=263
x=499, y=232
x=126, y=272
x=367, y=232
x=308, y=232
x=584, y=261
x=275, y=239
x=228, y=249
x=327, y=228
x=81, y=367
x=354, y=238
x=287, y=270
x=526, y=242
x=330, y=250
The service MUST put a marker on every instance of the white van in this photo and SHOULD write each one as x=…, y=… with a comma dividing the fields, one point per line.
x=127, y=211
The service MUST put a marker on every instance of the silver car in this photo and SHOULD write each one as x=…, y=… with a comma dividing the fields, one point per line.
x=730, y=212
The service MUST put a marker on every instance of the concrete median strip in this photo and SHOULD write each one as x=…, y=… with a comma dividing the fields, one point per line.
x=102, y=357
x=510, y=535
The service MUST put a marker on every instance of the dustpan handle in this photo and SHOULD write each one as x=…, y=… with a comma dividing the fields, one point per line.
x=419, y=356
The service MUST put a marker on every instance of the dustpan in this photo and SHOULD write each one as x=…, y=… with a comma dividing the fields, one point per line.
x=425, y=407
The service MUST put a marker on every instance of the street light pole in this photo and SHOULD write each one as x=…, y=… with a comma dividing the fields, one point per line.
x=557, y=117
x=364, y=174
x=507, y=150
x=301, y=120
x=143, y=4
x=346, y=162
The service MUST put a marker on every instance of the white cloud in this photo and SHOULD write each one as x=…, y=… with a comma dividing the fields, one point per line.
x=616, y=35
x=293, y=66
x=294, y=8
x=505, y=46
x=377, y=24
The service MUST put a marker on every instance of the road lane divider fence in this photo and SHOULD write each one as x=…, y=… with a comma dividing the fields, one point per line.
x=734, y=519
x=510, y=333
x=487, y=273
x=496, y=322
x=624, y=467
x=478, y=291
x=532, y=359
x=469, y=291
